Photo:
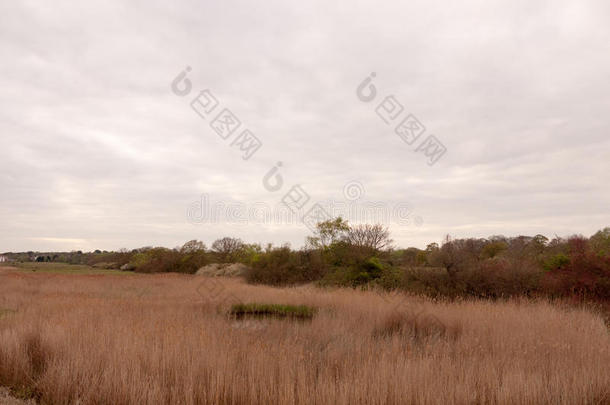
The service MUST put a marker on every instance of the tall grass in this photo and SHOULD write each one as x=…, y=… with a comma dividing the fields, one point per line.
x=153, y=339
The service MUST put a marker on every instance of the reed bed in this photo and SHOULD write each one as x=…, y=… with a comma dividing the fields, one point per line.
x=168, y=339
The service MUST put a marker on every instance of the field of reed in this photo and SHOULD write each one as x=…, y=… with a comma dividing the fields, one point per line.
x=170, y=339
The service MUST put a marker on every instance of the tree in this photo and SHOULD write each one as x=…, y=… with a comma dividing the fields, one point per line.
x=600, y=242
x=192, y=246
x=538, y=244
x=328, y=232
x=249, y=253
x=585, y=273
x=432, y=247
x=369, y=237
x=456, y=255
x=227, y=248
x=494, y=248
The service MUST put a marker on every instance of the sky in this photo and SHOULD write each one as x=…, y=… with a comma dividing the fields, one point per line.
x=102, y=146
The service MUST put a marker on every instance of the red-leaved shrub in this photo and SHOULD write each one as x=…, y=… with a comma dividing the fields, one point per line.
x=586, y=276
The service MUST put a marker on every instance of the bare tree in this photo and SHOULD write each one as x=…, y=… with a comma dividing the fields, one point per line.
x=192, y=246
x=371, y=237
x=457, y=255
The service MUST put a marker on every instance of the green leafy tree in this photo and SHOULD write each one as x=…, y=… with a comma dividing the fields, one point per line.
x=328, y=232
x=600, y=242
x=493, y=249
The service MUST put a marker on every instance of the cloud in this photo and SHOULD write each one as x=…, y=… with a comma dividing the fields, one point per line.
x=97, y=152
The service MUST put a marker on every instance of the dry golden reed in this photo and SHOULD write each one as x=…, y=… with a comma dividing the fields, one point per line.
x=166, y=339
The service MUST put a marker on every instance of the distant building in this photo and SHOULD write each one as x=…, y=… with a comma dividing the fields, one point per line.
x=3, y=259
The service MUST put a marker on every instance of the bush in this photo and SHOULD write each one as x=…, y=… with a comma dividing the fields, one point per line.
x=431, y=281
x=356, y=275
x=156, y=260
x=600, y=242
x=343, y=254
x=162, y=260
x=495, y=278
x=494, y=248
x=188, y=259
x=391, y=278
x=281, y=266
x=457, y=255
x=249, y=254
x=492, y=278
x=556, y=262
x=586, y=275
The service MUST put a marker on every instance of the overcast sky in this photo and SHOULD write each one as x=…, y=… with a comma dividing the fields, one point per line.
x=98, y=152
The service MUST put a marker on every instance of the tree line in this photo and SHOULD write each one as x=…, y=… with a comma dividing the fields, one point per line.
x=363, y=255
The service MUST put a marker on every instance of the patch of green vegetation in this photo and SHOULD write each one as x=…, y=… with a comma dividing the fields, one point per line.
x=356, y=275
x=6, y=312
x=25, y=393
x=275, y=310
x=558, y=261
x=63, y=268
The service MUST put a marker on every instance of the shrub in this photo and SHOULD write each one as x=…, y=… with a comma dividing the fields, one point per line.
x=431, y=281
x=556, y=262
x=373, y=267
x=391, y=278
x=191, y=262
x=156, y=260
x=408, y=257
x=457, y=255
x=492, y=278
x=250, y=253
x=495, y=278
x=493, y=249
x=355, y=275
x=585, y=276
x=281, y=265
x=340, y=254
x=188, y=259
x=600, y=242
x=338, y=276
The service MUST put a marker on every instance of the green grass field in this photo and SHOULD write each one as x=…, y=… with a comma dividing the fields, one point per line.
x=64, y=268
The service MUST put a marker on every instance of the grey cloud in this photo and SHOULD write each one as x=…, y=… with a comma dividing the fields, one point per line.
x=97, y=152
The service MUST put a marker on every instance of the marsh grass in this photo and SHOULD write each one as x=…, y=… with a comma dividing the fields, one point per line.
x=90, y=339
x=419, y=327
x=272, y=310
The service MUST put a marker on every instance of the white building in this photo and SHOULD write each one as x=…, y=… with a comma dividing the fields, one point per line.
x=3, y=259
